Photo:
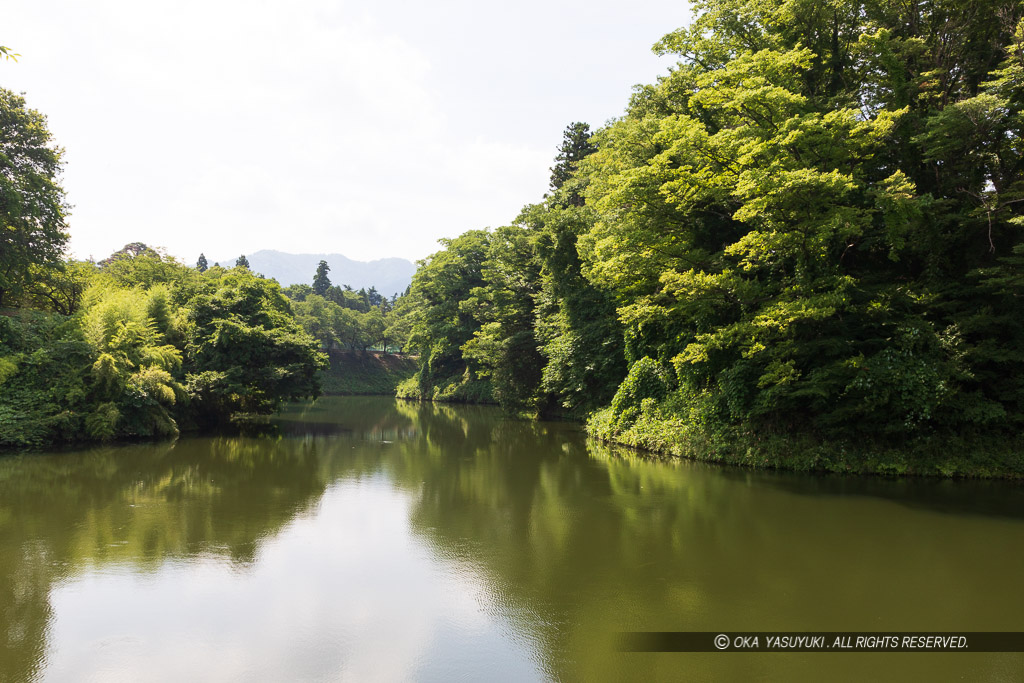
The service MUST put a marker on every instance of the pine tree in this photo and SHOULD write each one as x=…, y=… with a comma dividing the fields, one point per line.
x=321, y=283
x=242, y=262
x=575, y=146
x=201, y=264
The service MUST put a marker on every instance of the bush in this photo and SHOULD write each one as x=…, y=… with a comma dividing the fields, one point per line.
x=646, y=380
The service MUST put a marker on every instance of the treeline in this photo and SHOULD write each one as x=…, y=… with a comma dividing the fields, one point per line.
x=135, y=345
x=145, y=346
x=802, y=247
x=342, y=318
x=138, y=344
x=141, y=345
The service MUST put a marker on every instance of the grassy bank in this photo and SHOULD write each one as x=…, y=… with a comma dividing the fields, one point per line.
x=941, y=455
x=356, y=372
x=458, y=389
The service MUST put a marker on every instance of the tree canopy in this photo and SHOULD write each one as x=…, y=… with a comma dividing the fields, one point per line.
x=33, y=209
x=810, y=228
x=144, y=346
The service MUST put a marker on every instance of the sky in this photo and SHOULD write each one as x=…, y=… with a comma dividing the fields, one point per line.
x=318, y=126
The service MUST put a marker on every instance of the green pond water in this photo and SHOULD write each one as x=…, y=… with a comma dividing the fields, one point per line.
x=369, y=539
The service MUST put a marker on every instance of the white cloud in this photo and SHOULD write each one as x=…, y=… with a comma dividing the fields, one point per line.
x=370, y=130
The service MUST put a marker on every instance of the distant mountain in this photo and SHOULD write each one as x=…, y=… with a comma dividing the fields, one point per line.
x=388, y=275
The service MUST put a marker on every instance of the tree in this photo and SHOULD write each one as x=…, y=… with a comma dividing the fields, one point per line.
x=241, y=262
x=321, y=283
x=132, y=250
x=244, y=351
x=400, y=320
x=137, y=265
x=297, y=292
x=802, y=221
x=134, y=391
x=348, y=328
x=444, y=320
x=373, y=327
x=505, y=345
x=576, y=324
x=60, y=288
x=33, y=210
x=317, y=316
x=201, y=264
x=576, y=146
x=374, y=298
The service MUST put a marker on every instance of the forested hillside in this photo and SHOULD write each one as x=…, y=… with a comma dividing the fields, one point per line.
x=802, y=247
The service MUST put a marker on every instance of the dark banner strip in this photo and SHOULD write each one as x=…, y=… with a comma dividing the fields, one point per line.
x=821, y=641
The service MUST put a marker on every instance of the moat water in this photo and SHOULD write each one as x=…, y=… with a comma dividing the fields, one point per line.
x=369, y=539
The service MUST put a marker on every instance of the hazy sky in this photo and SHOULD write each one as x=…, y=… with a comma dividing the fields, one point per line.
x=369, y=129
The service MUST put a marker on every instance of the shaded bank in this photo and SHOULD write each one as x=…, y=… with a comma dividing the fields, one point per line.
x=947, y=455
x=365, y=373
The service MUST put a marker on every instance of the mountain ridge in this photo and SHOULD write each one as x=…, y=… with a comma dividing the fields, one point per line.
x=389, y=275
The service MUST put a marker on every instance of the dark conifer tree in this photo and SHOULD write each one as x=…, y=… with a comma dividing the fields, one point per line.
x=321, y=283
x=575, y=146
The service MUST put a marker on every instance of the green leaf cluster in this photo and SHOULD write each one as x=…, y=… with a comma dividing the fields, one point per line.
x=150, y=347
x=33, y=210
x=810, y=228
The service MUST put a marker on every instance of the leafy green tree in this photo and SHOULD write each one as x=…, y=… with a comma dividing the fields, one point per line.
x=348, y=328
x=201, y=264
x=346, y=298
x=790, y=219
x=241, y=262
x=137, y=265
x=505, y=346
x=45, y=367
x=244, y=352
x=318, y=317
x=59, y=288
x=321, y=283
x=443, y=323
x=373, y=327
x=33, y=210
x=297, y=292
x=400, y=320
x=577, y=327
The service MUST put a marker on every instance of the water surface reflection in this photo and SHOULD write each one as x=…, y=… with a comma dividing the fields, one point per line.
x=377, y=540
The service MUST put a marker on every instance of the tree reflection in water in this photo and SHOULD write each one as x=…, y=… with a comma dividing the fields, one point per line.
x=562, y=542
